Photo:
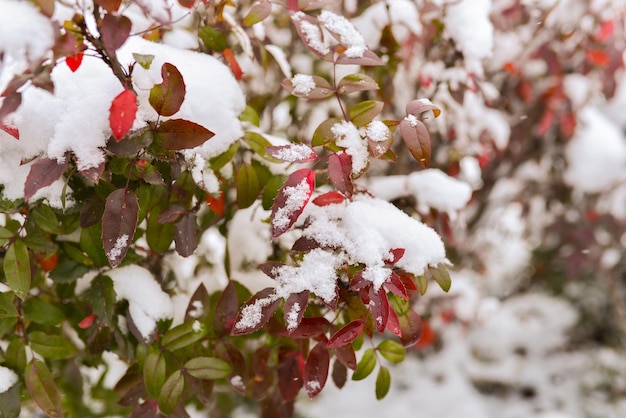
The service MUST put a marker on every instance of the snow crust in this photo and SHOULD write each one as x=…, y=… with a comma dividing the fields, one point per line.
x=147, y=302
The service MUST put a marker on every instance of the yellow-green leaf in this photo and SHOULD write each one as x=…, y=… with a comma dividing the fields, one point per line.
x=42, y=389
x=171, y=392
x=383, y=382
x=365, y=366
x=392, y=351
x=17, y=268
x=207, y=368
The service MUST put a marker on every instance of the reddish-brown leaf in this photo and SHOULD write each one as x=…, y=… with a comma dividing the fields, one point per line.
x=43, y=172
x=322, y=89
x=396, y=254
x=74, y=61
x=293, y=153
x=346, y=334
x=294, y=308
x=395, y=286
x=304, y=244
x=358, y=282
x=264, y=304
x=379, y=306
x=114, y=32
x=289, y=376
x=420, y=106
x=119, y=222
x=268, y=268
x=110, y=6
x=316, y=369
x=14, y=132
x=411, y=328
x=417, y=139
x=340, y=172
x=10, y=104
x=393, y=323
x=329, y=198
x=198, y=305
x=340, y=374
x=345, y=354
x=167, y=97
x=310, y=327
x=93, y=173
x=186, y=234
x=122, y=113
x=179, y=134
x=291, y=200
x=215, y=203
x=226, y=310
x=259, y=11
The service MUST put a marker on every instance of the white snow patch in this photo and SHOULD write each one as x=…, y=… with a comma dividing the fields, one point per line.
x=377, y=131
x=292, y=316
x=303, y=84
x=7, y=379
x=348, y=35
x=120, y=244
x=294, y=152
x=347, y=136
x=296, y=199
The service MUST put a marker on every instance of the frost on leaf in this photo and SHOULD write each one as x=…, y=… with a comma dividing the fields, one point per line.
x=345, y=32
x=310, y=32
x=291, y=200
x=294, y=153
x=256, y=312
x=119, y=222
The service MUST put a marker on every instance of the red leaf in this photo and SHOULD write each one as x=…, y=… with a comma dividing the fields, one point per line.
x=114, y=32
x=43, y=172
x=291, y=200
x=294, y=153
x=294, y=308
x=345, y=354
x=256, y=312
x=93, y=173
x=187, y=3
x=304, y=244
x=74, y=61
x=10, y=104
x=289, y=376
x=186, y=235
x=226, y=310
x=346, y=334
x=379, y=306
x=329, y=198
x=428, y=337
x=408, y=281
x=340, y=172
x=598, y=57
x=316, y=369
x=606, y=31
x=216, y=204
x=393, y=323
x=167, y=97
x=231, y=60
x=417, y=139
x=119, y=222
x=310, y=327
x=109, y=5
x=397, y=254
x=179, y=134
x=358, y=282
x=86, y=321
x=268, y=268
x=14, y=132
x=411, y=328
x=122, y=113
x=395, y=286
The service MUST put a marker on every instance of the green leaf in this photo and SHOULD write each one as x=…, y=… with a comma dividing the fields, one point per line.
x=144, y=60
x=17, y=268
x=248, y=187
x=167, y=97
x=7, y=308
x=364, y=112
x=51, y=346
x=271, y=190
x=46, y=219
x=208, y=368
x=42, y=389
x=154, y=373
x=212, y=38
x=392, y=351
x=366, y=365
x=42, y=312
x=15, y=354
x=383, y=382
x=184, y=335
x=171, y=392
x=159, y=235
x=5, y=235
x=68, y=270
x=422, y=283
x=10, y=402
x=323, y=134
x=76, y=254
x=441, y=276
x=224, y=158
x=180, y=134
x=258, y=143
x=101, y=295
x=250, y=115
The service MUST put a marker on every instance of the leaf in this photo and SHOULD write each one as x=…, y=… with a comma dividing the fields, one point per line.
x=340, y=172
x=293, y=153
x=356, y=82
x=10, y=104
x=322, y=89
x=167, y=97
x=310, y=327
x=422, y=283
x=74, y=61
x=290, y=377
x=13, y=131
x=46, y=7
x=366, y=365
x=316, y=369
x=369, y=59
x=212, y=38
x=291, y=200
x=294, y=308
x=329, y=198
x=145, y=60
x=17, y=268
x=180, y=134
x=114, y=31
x=184, y=335
x=259, y=11
x=340, y=374
x=345, y=354
x=209, y=368
x=346, y=334
x=231, y=60
x=10, y=402
x=379, y=306
x=256, y=312
x=159, y=235
x=312, y=37
x=42, y=312
x=395, y=286
x=43, y=172
x=441, y=276
x=420, y=106
x=411, y=327
x=186, y=235
x=91, y=244
x=119, y=222
x=417, y=139
x=42, y=389
x=323, y=133
x=122, y=113
x=383, y=382
x=392, y=351
x=51, y=346
x=110, y=6
x=364, y=112
x=187, y=3
x=7, y=308
x=249, y=114
x=248, y=185
x=171, y=393
x=154, y=369
x=46, y=219
x=226, y=310
x=198, y=307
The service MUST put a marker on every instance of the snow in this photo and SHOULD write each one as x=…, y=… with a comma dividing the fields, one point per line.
x=303, y=84
x=402, y=15
x=252, y=314
x=312, y=34
x=348, y=35
x=292, y=316
x=120, y=244
x=294, y=152
x=147, y=303
x=7, y=379
x=377, y=131
x=347, y=136
x=296, y=196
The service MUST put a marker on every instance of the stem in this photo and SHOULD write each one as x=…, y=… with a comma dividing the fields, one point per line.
x=343, y=111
